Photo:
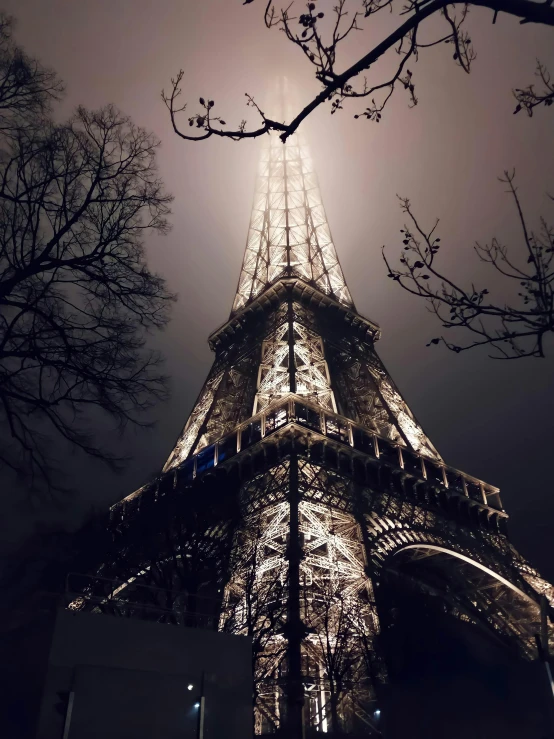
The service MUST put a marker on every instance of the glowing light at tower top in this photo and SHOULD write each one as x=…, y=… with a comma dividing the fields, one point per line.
x=289, y=235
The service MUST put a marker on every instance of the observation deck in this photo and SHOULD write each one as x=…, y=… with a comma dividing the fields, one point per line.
x=333, y=441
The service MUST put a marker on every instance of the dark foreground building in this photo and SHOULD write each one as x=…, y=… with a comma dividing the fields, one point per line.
x=69, y=675
x=306, y=500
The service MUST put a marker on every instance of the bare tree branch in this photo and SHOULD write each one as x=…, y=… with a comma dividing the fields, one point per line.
x=528, y=98
x=512, y=329
x=27, y=88
x=318, y=38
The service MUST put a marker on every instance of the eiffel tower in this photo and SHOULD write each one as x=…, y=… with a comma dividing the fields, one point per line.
x=339, y=488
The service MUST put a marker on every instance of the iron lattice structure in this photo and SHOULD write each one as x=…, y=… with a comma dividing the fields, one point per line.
x=333, y=481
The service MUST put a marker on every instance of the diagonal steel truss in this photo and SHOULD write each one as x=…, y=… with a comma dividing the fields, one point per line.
x=292, y=348
x=310, y=368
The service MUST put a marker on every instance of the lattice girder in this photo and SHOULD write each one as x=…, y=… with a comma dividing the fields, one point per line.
x=293, y=348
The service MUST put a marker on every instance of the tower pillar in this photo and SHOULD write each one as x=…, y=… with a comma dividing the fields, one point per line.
x=295, y=627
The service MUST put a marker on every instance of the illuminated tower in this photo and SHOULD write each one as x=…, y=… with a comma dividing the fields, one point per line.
x=336, y=480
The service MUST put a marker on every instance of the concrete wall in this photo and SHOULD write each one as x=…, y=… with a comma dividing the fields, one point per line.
x=129, y=680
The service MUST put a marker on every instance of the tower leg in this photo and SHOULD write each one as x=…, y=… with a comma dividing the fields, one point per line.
x=294, y=724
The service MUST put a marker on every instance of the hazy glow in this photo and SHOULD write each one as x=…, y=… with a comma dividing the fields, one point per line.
x=289, y=235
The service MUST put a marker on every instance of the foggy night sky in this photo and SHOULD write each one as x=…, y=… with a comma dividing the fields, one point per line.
x=492, y=419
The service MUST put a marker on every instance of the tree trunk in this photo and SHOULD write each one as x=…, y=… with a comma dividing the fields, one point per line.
x=334, y=701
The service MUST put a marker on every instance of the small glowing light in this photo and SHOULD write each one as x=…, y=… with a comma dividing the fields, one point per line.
x=197, y=705
x=377, y=713
x=190, y=687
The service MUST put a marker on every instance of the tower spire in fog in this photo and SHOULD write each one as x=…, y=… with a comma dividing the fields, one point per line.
x=289, y=235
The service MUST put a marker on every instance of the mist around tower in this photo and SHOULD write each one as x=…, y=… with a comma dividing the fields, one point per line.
x=330, y=517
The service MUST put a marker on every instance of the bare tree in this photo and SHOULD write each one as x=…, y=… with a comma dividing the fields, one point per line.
x=34, y=574
x=256, y=606
x=170, y=551
x=513, y=329
x=319, y=37
x=333, y=644
x=340, y=633
x=76, y=295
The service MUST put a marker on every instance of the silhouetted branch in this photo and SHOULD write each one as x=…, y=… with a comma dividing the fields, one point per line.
x=27, y=89
x=205, y=120
x=529, y=98
x=318, y=38
x=339, y=624
x=255, y=603
x=515, y=329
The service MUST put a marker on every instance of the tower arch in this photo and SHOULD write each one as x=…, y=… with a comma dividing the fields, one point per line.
x=473, y=591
